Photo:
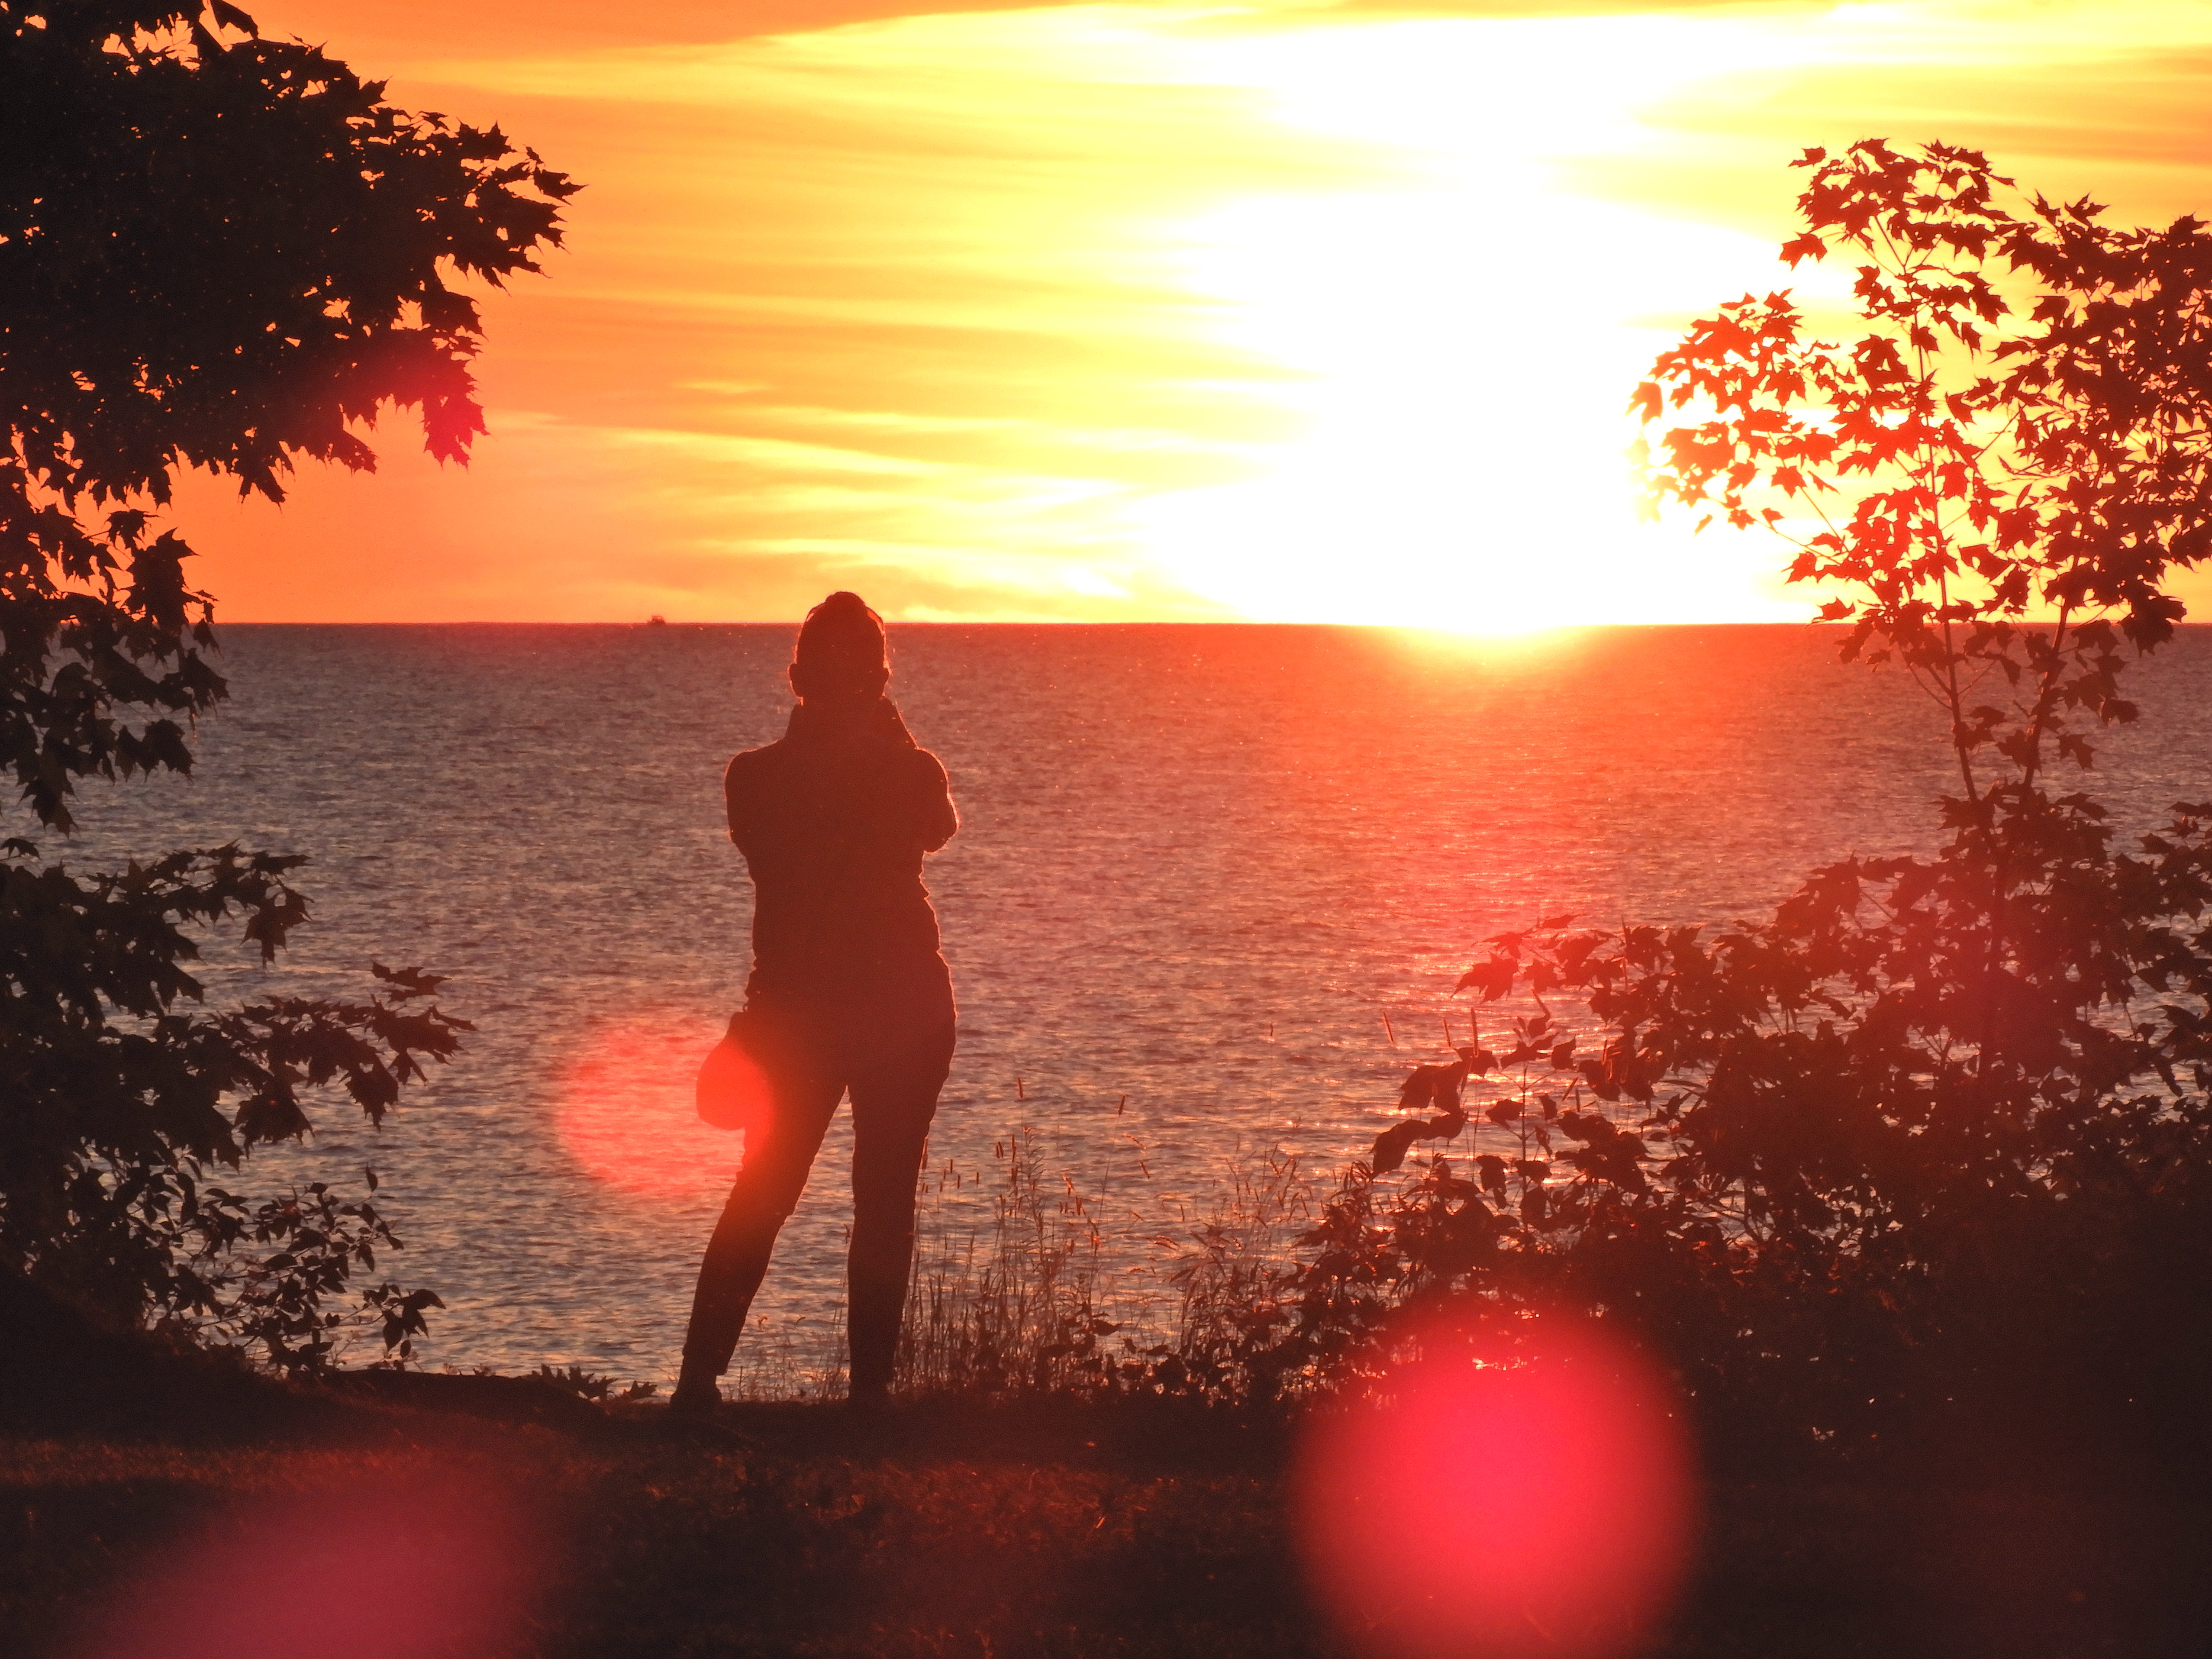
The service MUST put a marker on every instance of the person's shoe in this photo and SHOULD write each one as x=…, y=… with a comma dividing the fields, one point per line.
x=868, y=1400
x=695, y=1397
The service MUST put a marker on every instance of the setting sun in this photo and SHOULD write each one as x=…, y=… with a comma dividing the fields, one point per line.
x=1461, y=331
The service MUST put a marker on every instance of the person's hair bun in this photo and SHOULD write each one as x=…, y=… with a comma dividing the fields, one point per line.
x=841, y=644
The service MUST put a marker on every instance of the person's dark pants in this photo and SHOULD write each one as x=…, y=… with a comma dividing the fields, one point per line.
x=810, y=1064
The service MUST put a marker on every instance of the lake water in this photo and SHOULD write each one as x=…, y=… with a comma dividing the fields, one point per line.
x=1198, y=867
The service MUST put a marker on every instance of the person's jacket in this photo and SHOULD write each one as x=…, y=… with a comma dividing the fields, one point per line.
x=833, y=820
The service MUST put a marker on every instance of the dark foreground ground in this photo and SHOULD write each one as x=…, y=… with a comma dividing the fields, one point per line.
x=483, y=1516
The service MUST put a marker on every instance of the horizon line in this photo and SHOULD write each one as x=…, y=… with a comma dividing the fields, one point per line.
x=1812, y=622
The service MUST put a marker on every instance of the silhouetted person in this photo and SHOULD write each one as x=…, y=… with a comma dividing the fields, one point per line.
x=848, y=991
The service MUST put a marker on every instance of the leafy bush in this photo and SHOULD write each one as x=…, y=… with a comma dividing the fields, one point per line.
x=1928, y=1153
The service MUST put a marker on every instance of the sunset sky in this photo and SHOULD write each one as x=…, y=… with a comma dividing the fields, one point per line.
x=1295, y=312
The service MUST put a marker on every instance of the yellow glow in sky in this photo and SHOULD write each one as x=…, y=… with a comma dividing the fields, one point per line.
x=1467, y=332
x=1125, y=312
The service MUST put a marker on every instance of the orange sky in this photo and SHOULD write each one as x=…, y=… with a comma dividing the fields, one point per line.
x=1295, y=311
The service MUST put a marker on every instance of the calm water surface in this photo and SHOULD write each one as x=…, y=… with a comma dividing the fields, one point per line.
x=1198, y=867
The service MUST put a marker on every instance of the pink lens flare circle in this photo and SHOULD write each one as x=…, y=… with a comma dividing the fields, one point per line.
x=626, y=1107
x=370, y=1569
x=1480, y=1504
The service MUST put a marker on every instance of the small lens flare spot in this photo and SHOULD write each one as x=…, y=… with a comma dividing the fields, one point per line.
x=1479, y=1505
x=627, y=1107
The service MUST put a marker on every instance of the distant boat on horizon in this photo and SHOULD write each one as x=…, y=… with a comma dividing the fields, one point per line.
x=656, y=622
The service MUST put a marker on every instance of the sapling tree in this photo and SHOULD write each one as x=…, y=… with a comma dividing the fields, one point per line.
x=1936, y=1136
x=223, y=252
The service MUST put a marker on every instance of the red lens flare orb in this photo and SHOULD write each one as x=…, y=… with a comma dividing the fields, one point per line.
x=369, y=1569
x=627, y=1107
x=1538, y=1503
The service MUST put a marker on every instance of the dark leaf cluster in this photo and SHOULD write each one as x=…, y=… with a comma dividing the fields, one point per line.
x=262, y=1276
x=2023, y=430
x=214, y=254
x=117, y=1091
x=223, y=254
x=226, y=252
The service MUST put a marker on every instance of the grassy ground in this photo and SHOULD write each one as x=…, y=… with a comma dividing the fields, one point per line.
x=779, y=1531
x=406, y=1529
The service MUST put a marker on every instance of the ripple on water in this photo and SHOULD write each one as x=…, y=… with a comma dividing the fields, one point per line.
x=1197, y=865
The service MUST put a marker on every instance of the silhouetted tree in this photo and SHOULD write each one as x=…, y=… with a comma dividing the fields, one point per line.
x=222, y=252
x=1930, y=1149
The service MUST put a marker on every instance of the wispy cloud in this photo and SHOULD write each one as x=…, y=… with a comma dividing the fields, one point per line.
x=1311, y=310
